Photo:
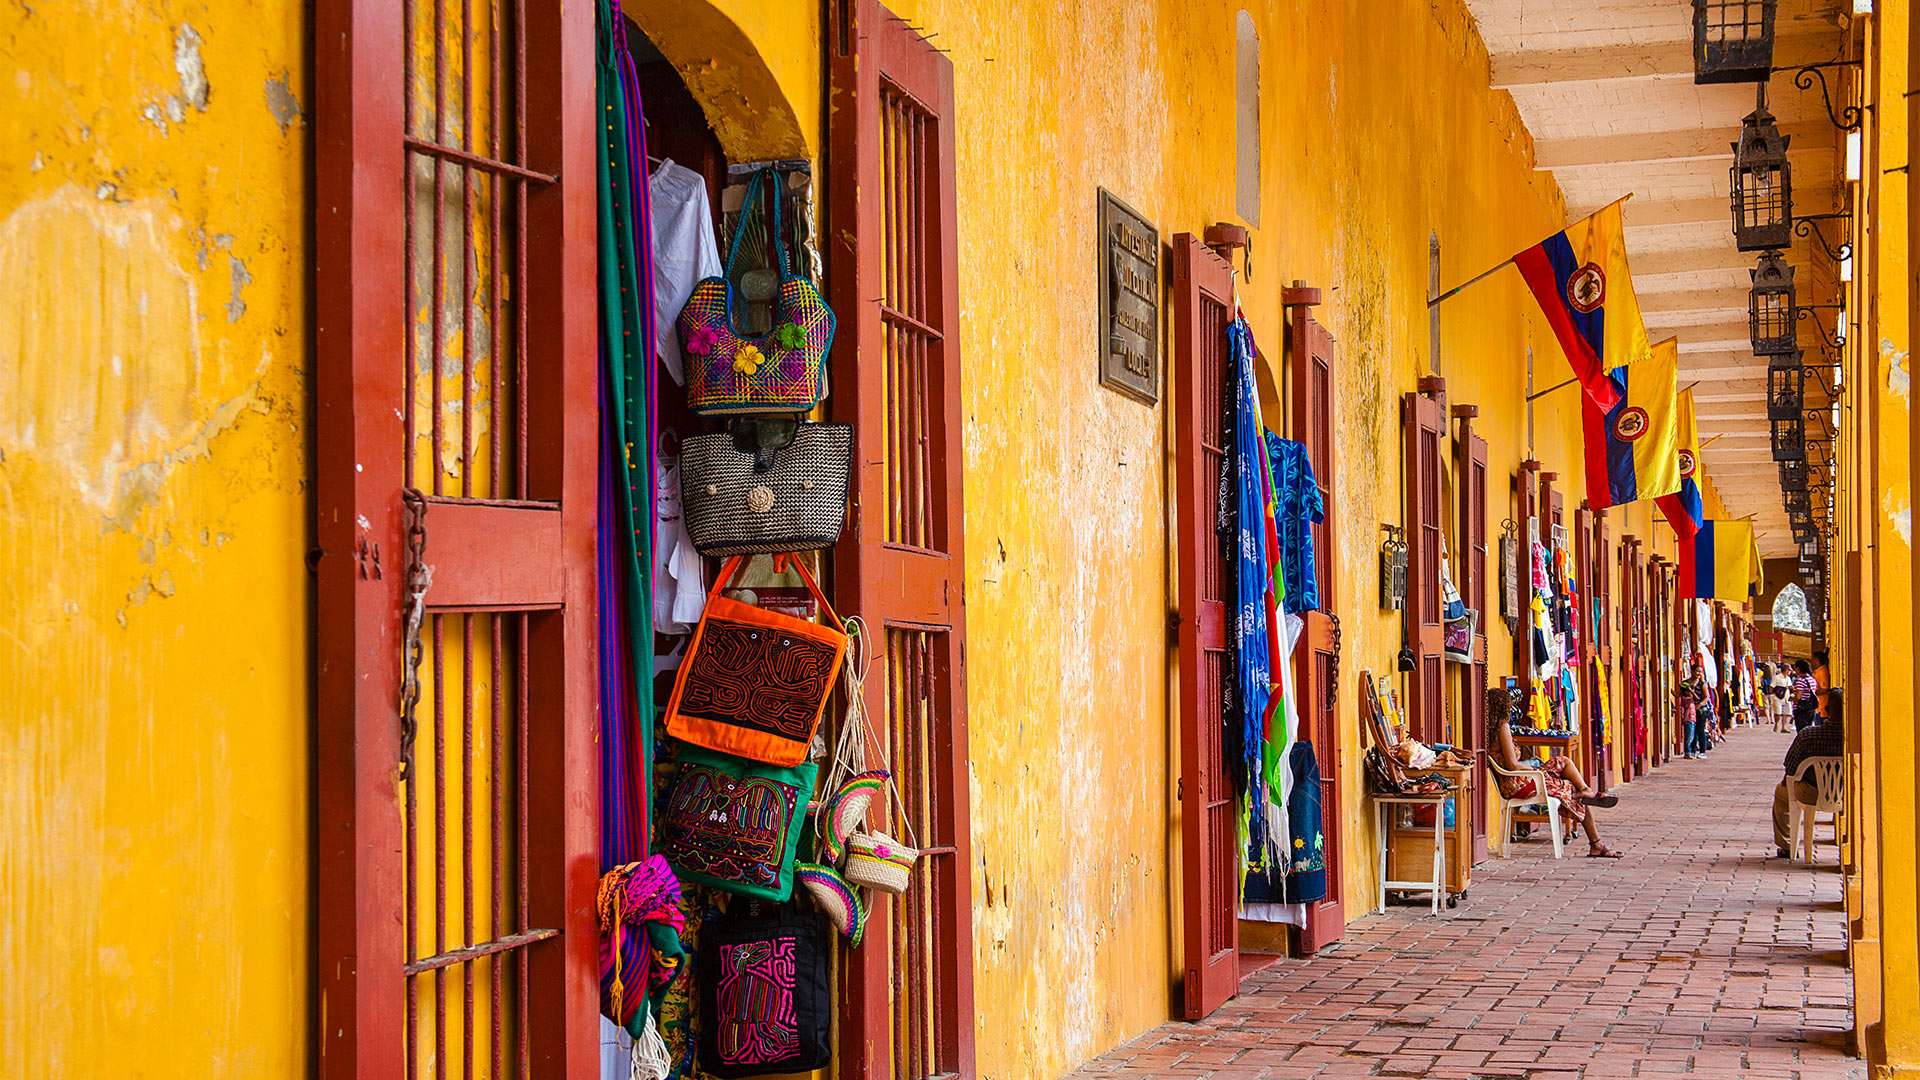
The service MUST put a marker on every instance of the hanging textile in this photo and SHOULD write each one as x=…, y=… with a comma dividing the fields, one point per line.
x=1253, y=658
x=1298, y=508
x=625, y=537
x=1282, y=723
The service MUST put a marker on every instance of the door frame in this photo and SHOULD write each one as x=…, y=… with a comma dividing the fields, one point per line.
x=1314, y=391
x=1210, y=872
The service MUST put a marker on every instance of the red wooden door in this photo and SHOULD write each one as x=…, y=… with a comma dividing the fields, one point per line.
x=1600, y=573
x=895, y=285
x=1588, y=720
x=456, y=434
x=1470, y=452
x=1209, y=829
x=1425, y=432
x=1318, y=656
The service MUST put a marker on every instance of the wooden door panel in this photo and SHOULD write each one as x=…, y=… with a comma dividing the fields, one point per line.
x=907, y=994
x=1471, y=468
x=1425, y=434
x=1311, y=380
x=1203, y=373
x=457, y=857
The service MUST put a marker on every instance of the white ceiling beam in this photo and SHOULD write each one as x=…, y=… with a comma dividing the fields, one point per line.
x=1692, y=300
x=1636, y=60
x=1694, y=144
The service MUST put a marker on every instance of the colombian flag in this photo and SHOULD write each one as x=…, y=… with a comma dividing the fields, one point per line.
x=1684, y=509
x=1721, y=562
x=1631, y=448
x=1579, y=275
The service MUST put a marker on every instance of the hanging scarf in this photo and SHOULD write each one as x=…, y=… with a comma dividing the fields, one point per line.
x=638, y=904
x=1253, y=578
x=1282, y=722
x=625, y=541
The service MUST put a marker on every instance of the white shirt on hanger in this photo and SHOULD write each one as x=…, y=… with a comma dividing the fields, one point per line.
x=679, y=598
x=684, y=251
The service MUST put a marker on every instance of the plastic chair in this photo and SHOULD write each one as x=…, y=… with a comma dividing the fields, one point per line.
x=1539, y=795
x=1829, y=778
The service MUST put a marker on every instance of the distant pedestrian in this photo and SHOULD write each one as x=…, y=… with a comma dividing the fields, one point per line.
x=1779, y=704
x=1806, y=696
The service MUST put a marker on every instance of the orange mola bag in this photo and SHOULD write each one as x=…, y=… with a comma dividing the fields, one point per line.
x=755, y=682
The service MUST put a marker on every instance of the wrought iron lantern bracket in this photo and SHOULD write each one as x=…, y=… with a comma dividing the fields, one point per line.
x=1849, y=116
x=1809, y=226
x=1805, y=311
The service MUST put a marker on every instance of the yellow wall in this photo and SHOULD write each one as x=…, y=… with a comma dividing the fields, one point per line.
x=154, y=720
x=1884, y=892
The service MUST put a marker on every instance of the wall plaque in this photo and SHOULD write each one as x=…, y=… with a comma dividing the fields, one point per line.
x=1129, y=301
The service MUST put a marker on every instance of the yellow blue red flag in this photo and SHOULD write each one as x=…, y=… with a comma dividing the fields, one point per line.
x=1580, y=277
x=1631, y=448
x=1684, y=509
x=1721, y=562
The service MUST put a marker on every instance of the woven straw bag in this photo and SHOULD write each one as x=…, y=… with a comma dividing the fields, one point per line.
x=880, y=862
x=743, y=496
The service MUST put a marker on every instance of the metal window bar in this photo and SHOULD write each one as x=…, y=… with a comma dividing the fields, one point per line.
x=464, y=426
x=911, y=341
x=465, y=201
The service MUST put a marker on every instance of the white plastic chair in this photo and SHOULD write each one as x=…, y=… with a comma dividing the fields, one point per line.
x=1829, y=778
x=1539, y=796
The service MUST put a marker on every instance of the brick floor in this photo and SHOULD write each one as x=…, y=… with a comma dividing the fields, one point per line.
x=1696, y=954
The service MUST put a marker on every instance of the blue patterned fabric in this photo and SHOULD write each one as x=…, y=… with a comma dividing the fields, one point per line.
x=1298, y=508
x=1252, y=655
x=1307, y=868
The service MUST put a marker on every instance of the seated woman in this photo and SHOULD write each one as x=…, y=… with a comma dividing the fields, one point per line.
x=1564, y=781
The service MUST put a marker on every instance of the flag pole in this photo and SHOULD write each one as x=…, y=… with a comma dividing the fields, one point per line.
x=1551, y=389
x=1490, y=271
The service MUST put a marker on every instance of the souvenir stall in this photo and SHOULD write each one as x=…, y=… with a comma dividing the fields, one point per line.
x=746, y=824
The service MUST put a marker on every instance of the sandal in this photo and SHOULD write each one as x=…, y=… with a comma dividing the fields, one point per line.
x=1604, y=802
x=1602, y=851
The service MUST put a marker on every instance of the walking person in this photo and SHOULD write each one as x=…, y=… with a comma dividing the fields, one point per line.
x=1779, y=705
x=1688, y=699
x=1805, y=689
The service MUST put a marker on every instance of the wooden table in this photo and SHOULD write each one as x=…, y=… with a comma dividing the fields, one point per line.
x=1437, y=884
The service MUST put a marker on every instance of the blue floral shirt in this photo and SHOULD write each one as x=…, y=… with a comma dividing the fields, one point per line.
x=1297, y=508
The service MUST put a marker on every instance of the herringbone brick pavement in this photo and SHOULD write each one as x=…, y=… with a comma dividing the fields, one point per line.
x=1698, y=953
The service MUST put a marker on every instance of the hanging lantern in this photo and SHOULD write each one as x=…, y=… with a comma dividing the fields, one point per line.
x=1800, y=503
x=1786, y=387
x=1793, y=476
x=1761, y=184
x=1804, y=531
x=1732, y=40
x=1770, y=307
x=1789, y=439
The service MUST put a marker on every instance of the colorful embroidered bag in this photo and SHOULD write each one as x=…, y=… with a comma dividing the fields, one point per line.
x=765, y=999
x=735, y=825
x=755, y=682
x=783, y=370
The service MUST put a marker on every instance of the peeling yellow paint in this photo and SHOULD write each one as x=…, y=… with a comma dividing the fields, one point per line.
x=154, y=728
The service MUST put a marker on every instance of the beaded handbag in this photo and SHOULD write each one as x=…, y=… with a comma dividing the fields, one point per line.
x=783, y=370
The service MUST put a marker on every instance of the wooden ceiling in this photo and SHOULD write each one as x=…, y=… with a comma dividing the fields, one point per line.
x=1606, y=88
